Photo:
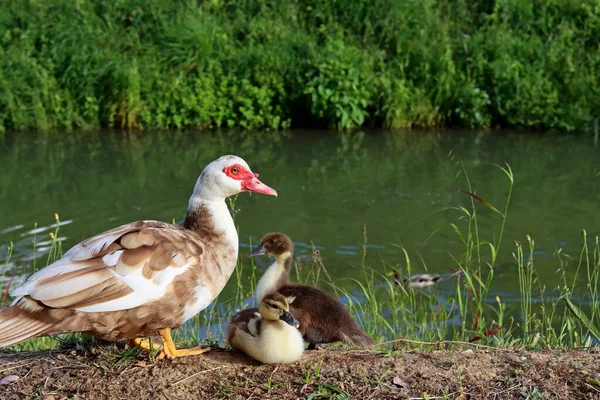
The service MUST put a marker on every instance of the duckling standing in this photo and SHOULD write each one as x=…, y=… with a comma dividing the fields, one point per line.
x=322, y=318
x=269, y=335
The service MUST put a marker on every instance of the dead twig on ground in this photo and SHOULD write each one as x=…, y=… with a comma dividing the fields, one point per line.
x=193, y=375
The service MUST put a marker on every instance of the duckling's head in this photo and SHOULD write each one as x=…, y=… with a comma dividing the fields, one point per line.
x=275, y=244
x=276, y=306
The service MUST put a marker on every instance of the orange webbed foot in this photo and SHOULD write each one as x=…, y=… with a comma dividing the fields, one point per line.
x=169, y=350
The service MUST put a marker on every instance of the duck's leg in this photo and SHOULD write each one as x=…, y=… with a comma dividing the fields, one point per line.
x=314, y=346
x=169, y=351
x=143, y=344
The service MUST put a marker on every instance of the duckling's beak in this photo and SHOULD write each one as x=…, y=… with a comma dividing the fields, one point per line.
x=289, y=319
x=258, y=251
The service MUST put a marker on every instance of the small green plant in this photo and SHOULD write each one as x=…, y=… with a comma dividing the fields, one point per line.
x=269, y=385
x=311, y=373
x=8, y=283
x=224, y=389
x=119, y=357
x=326, y=391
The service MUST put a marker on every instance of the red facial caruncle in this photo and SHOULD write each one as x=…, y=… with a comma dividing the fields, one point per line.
x=248, y=179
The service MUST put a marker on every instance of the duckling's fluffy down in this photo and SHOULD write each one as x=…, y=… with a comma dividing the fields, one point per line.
x=271, y=342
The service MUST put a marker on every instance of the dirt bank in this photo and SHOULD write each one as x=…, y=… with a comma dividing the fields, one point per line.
x=468, y=374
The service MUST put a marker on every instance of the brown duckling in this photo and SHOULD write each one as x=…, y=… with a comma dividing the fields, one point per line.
x=323, y=319
x=268, y=334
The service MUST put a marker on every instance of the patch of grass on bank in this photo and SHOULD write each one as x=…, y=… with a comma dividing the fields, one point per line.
x=544, y=318
x=261, y=64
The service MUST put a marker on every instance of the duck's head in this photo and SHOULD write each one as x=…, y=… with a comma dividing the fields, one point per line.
x=276, y=306
x=274, y=244
x=228, y=176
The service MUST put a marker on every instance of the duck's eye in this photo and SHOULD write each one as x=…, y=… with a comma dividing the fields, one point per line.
x=272, y=306
x=235, y=170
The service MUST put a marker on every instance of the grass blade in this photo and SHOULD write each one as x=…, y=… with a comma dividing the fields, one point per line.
x=484, y=202
x=583, y=318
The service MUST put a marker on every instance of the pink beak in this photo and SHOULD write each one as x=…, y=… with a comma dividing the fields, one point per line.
x=254, y=185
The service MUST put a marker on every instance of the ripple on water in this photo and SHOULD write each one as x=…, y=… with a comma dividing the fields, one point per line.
x=11, y=229
x=41, y=229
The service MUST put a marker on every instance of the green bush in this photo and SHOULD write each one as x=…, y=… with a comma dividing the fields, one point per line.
x=270, y=65
x=338, y=85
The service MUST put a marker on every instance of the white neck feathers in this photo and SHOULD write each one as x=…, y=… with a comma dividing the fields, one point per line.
x=268, y=282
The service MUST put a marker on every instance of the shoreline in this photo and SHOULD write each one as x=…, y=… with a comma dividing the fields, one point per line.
x=99, y=372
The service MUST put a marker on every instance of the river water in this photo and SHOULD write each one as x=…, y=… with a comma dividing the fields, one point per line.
x=397, y=187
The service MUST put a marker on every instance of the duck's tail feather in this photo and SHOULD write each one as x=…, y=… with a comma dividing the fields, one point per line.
x=17, y=326
x=358, y=338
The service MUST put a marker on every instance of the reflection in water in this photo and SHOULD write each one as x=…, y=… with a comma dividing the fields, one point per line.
x=331, y=185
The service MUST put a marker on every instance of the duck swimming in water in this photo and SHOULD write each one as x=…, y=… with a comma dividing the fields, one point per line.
x=417, y=280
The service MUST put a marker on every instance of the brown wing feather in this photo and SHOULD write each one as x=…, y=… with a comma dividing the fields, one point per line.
x=147, y=247
x=108, y=290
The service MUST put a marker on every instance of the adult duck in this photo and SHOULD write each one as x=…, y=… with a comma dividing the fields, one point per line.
x=140, y=279
x=322, y=318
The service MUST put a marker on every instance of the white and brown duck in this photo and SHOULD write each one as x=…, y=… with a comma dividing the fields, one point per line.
x=322, y=318
x=269, y=334
x=140, y=279
x=418, y=281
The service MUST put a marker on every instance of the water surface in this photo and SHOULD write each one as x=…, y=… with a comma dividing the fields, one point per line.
x=331, y=187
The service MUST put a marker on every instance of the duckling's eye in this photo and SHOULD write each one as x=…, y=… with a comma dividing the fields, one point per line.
x=235, y=170
x=272, y=306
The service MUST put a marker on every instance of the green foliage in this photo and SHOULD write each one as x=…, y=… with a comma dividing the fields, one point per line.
x=585, y=321
x=161, y=64
x=338, y=85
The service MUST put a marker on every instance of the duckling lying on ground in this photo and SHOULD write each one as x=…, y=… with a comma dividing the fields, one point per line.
x=268, y=334
x=417, y=280
x=323, y=319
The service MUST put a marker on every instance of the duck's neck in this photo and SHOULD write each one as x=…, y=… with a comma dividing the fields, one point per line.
x=212, y=220
x=276, y=276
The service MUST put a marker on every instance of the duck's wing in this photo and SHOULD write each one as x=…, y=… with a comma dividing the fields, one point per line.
x=119, y=269
x=244, y=316
x=255, y=326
